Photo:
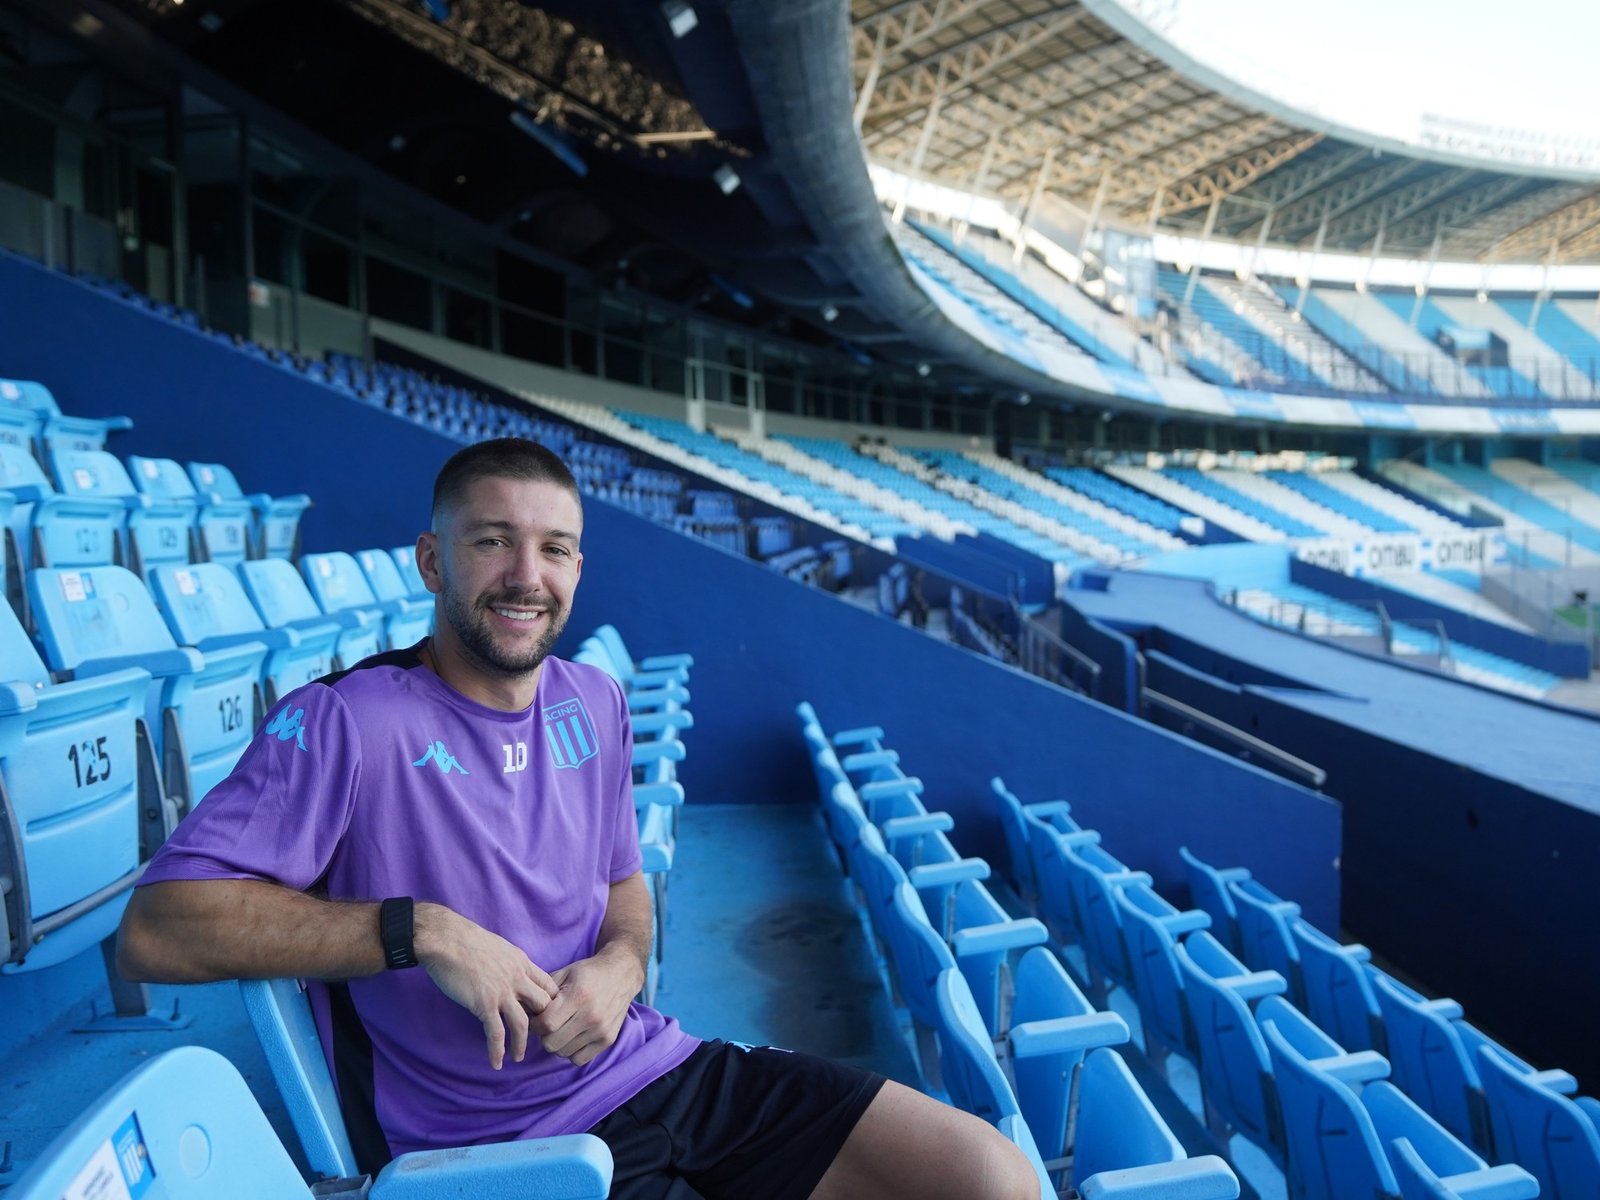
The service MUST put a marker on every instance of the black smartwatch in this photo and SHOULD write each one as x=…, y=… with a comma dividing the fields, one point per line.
x=396, y=926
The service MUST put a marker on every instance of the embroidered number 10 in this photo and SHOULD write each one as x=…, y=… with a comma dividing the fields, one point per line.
x=516, y=757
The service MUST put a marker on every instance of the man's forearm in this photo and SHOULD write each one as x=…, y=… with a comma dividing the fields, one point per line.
x=194, y=931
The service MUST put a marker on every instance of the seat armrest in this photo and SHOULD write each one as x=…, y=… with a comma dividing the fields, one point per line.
x=1123, y=878
x=1203, y=1178
x=1085, y=1032
x=1045, y=809
x=1255, y=984
x=1362, y=1066
x=1083, y=837
x=654, y=858
x=1001, y=936
x=1446, y=1008
x=575, y=1167
x=272, y=639
x=896, y=828
x=645, y=753
x=667, y=794
x=857, y=737
x=665, y=662
x=163, y=664
x=1556, y=1080
x=17, y=697
x=877, y=789
x=650, y=679
x=947, y=874
x=655, y=722
x=1508, y=1182
x=1188, y=921
x=868, y=759
x=649, y=698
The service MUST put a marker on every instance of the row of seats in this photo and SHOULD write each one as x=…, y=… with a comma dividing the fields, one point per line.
x=996, y=1024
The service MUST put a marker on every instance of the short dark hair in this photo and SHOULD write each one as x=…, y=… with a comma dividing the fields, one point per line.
x=506, y=458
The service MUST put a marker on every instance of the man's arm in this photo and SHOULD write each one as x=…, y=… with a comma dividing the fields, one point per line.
x=194, y=931
x=586, y=1014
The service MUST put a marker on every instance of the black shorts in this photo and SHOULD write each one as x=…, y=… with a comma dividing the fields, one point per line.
x=733, y=1122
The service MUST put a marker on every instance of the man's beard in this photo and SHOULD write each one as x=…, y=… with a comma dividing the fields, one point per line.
x=471, y=626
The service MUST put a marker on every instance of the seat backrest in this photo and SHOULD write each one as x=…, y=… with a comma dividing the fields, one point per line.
x=162, y=477
x=19, y=469
x=90, y=473
x=278, y=592
x=1265, y=942
x=203, y=600
x=1012, y=824
x=973, y=1076
x=182, y=1126
x=383, y=577
x=1157, y=985
x=1557, y=1139
x=215, y=479
x=94, y=612
x=405, y=560
x=1089, y=868
x=19, y=658
x=280, y=1013
x=1338, y=989
x=1118, y=1127
x=336, y=581
x=31, y=395
x=1233, y=1058
x=1332, y=1147
x=1430, y=1061
x=1057, y=905
x=1208, y=890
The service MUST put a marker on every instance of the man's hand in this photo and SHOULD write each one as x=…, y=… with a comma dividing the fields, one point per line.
x=485, y=974
x=586, y=1014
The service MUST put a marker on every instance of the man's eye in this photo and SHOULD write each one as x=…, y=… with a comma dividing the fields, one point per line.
x=491, y=542
x=561, y=550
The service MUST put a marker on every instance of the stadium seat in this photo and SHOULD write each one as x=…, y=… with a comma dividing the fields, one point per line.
x=1013, y=817
x=283, y=601
x=81, y=811
x=388, y=584
x=577, y=1166
x=1094, y=877
x=222, y=528
x=45, y=427
x=405, y=561
x=201, y=709
x=1435, y=1056
x=1208, y=890
x=49, y=529
x=338, y=584
x=277, y=518
x=647, y=672
x=1051, y=832
x=155, y=530
x=1340, y=1119
x=1151, y=927
x=205, y=606
x=1544, y=1128
x=1338, y=989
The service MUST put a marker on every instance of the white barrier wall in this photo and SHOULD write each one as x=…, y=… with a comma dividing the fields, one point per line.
x=1404, y=553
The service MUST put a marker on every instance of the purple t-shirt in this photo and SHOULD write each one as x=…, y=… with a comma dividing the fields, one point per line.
x=385, y=781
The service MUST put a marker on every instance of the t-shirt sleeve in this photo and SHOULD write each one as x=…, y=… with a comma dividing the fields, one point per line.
x=282, y=812
x=625, y=855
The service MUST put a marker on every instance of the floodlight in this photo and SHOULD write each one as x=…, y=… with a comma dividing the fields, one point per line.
x=726, y=178
x=680, y=17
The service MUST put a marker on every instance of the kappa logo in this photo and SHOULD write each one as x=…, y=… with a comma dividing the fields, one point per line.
x=570, y=733
x=441, y=758
x=287, y=725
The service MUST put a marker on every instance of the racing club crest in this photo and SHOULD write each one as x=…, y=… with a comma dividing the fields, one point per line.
x=570, y=733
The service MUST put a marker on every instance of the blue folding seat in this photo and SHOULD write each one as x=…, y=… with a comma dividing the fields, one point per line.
x=276, y=532
x=31, y=418
x=80, y=809
x=1094, y=877
x=222, y=528
x=185, y=1126
x=49, y=529
x=201, y=709
x=1116, y=1145
x=1051, y=831
x=1151, y=928
x=1265, y=942
x=645, y=691
x=205, y=606
x=1435, y=1057
x=1014, y=824
x=338, y=585
x=280, y=595
x=1340, y=1138
x=386, y=582
x=1208, y=890
x=647, y=672
x=1338, y=989
x=1539, y=1124
x=405, y=561
x=153, y=530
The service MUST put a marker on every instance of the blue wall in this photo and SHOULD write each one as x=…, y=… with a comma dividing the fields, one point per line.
x=1121, y=677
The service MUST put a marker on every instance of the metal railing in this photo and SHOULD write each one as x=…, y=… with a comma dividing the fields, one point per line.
x=1192, y=721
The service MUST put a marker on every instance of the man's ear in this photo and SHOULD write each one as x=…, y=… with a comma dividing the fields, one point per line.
x=428, y=565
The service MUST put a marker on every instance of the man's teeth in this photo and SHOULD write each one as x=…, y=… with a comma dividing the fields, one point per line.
x=512, y=614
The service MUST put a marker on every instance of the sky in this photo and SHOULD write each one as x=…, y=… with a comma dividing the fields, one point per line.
x=1380, y=64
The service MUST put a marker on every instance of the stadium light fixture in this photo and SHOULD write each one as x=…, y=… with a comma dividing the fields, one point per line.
x=726, y=178
x=681, y=19
x=829, y=312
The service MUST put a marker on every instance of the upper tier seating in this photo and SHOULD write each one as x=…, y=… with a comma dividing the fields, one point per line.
x=31, y=418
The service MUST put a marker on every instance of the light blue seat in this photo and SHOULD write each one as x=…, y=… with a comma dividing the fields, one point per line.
x=1338, y=989
x=1151, y=928
x=1435, y=1057
x=656, y=806
x=1118, y=1145
x=649, y=671
x=576, y=1166
x=153, y=530
x=277, y=518
x=661, y=715
x=81, y=808
x=1341, y=1118
x=31, y=418
x=1265, y=942
x=405, y=561
x=337, y=584
x=390, y=587
x=205, y=606
x=1014, y=824
x=1051, y=831
x=1094, y=875
x=1208, y=890
x=222, y=528
x=201, y=709
x=1555, y=1136
x=49, y=529
x=283, y=601
x=1419, y=1181
x=645, y=693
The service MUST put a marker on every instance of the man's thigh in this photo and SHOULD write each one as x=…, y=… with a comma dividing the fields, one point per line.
x=734, y=1122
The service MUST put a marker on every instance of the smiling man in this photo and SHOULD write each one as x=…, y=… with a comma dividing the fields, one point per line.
x=465, y=806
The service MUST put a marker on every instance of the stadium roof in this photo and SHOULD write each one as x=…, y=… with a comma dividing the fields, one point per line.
x=1075, y=103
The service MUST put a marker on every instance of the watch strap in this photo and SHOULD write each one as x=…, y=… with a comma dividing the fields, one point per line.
x=397, y=928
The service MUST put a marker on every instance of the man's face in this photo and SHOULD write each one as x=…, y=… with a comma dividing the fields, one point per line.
x=506, y=565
